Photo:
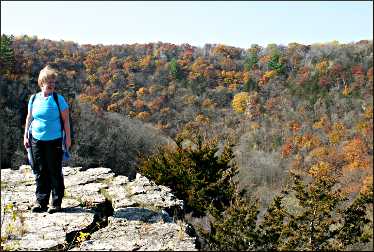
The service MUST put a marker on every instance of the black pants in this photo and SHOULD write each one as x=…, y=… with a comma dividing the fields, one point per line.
x=47, y=168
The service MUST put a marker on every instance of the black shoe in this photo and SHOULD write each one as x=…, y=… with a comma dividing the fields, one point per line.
x=39, y=208
x=54, y=209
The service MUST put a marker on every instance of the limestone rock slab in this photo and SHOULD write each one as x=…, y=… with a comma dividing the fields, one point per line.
x=139, y=218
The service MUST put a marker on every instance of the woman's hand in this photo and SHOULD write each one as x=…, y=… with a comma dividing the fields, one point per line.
x=26, y=142
x=68, y=142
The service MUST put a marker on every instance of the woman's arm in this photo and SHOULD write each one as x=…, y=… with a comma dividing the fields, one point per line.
x=65, y=120
x=26, y=142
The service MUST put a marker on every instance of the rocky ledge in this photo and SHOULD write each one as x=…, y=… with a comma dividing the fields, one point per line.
x=100, y=211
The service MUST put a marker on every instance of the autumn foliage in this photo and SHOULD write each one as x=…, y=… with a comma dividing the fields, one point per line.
x=299, y=119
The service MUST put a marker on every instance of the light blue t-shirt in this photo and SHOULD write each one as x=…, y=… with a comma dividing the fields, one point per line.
x=46, y=119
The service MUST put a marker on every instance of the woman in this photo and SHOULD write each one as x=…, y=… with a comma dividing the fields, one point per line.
x=46, y=141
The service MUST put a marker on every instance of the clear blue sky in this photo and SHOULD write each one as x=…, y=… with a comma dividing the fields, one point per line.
x=238, y=24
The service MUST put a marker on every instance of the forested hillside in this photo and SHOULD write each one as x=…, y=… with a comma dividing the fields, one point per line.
x=294, y=123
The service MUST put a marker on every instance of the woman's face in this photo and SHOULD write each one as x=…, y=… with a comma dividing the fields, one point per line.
x=48, y=86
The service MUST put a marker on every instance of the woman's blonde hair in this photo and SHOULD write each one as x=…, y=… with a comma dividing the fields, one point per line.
x=46, y=73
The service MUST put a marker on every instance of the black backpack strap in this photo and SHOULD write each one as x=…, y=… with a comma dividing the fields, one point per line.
x=32, y=99
x=55, y=97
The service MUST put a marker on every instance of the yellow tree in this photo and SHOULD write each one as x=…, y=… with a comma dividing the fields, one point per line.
x=239, y=103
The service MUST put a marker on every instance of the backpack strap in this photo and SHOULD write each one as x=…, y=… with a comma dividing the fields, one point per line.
x=32, y=99
x=55, y=97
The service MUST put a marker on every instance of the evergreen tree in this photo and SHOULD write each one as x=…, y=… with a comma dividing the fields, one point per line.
x=250, y=61
x=234, y=229
x=276, y=64
x=175, y=70
x=195, y=173
x=6, y=54
x=321, y=223
x=272, y=227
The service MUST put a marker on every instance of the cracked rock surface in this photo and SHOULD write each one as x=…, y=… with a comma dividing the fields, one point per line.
x=139, y=215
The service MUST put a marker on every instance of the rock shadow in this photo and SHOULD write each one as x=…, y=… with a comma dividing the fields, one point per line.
x=141, y=214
